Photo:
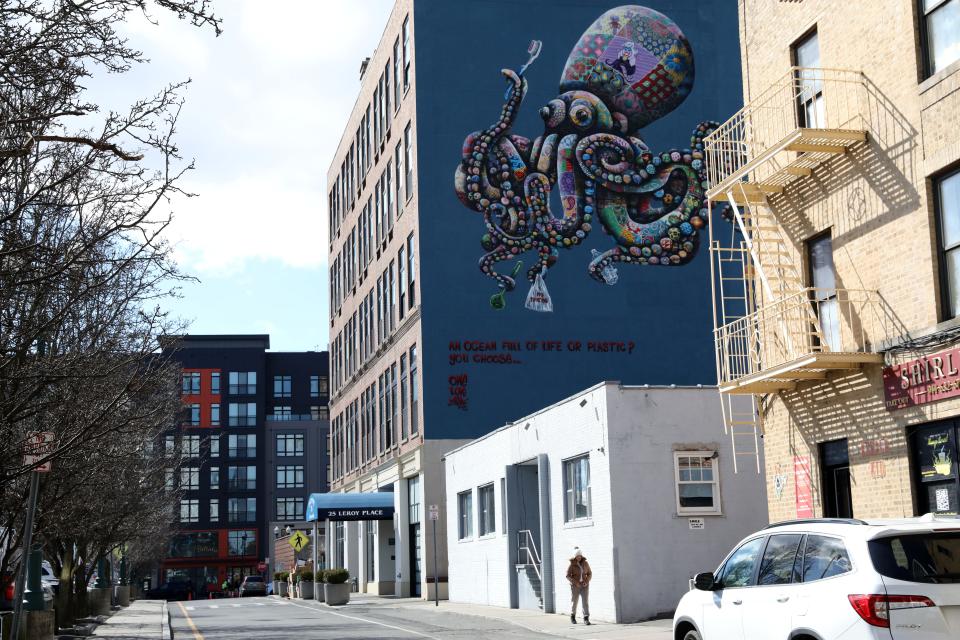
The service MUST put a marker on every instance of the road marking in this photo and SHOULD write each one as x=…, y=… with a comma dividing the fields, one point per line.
x=259, y=604
x=382, y=624
x=196, y=632
x=190, y=608
x=234, y=605
x=214, y=606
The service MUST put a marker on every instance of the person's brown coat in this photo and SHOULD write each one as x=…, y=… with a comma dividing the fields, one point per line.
x=579, y=573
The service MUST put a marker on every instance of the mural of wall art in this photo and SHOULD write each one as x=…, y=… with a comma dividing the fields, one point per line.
x=632, y=66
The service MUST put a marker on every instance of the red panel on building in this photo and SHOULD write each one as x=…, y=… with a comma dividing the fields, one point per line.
x=206, y=397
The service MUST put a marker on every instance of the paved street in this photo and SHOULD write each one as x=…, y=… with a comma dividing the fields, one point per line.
x=298, y=620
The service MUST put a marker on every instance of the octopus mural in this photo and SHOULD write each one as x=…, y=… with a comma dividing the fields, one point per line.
x=631, y=67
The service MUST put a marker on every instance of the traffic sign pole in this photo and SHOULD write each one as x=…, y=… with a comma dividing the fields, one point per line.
x=25, y=553
x=434, y=516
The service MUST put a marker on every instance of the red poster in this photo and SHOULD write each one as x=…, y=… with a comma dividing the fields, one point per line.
x=927, y=379
x=804, y=490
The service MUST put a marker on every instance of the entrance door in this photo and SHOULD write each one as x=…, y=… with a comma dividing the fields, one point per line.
x=416, y=557
x=835, y=474
x=935, y=454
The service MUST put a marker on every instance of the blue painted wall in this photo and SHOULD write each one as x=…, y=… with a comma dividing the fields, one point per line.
x=664, y=311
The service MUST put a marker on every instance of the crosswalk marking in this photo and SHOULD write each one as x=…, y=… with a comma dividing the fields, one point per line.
x=214, y=606
x=190, y=608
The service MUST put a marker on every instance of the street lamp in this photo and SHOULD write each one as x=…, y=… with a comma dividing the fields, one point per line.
x=288, y=529
x=276, y=531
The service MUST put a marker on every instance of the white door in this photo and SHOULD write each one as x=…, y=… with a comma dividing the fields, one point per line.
x=723, y=613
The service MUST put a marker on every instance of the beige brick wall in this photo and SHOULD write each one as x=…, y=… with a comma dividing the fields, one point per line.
x=876, y=203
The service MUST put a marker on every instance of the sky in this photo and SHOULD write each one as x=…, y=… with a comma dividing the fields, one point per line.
x=264, y=113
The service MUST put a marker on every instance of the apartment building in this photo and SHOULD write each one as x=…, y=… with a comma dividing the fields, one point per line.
x=837, y=305
x=433, y=342
x=254, y=432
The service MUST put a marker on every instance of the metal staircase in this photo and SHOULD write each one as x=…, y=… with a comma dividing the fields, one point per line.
x=528, y=561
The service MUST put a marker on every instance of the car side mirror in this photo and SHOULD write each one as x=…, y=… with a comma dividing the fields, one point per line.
x=704, y=581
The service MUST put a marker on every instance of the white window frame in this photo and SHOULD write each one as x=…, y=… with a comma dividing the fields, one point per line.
x=717, y=509
x=465, y=526
x=491, y=519
x=569, y=505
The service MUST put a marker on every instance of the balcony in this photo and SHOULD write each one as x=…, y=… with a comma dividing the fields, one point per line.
x=803, y=336
x=802, y=120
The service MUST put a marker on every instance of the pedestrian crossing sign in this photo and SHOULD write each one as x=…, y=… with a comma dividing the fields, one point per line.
x=298, y=541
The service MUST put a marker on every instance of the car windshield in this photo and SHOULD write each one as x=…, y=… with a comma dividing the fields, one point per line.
x=931, y=557
x=254, y=579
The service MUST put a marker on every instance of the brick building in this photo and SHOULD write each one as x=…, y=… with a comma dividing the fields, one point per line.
x=837, y=307
x=249, y=462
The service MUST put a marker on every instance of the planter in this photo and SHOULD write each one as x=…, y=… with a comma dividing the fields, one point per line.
x=282, y=590
x=318, y=591
x=276, y=587
x=336, y=594
x=121, y=594
x=306, y=590
x=99, y=600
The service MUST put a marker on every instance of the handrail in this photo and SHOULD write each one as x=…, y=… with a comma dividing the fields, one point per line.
x=526, y=543
x=803, y=98
x=785, y=330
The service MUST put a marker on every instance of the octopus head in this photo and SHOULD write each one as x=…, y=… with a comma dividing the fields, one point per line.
x=580, y=112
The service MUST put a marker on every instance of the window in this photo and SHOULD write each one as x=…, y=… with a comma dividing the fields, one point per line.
x=242, y=446
x=314, y=386
x=191, y=446
x=941, y=33
x=289, y=444
x=194, y=415
x=737, y=571
x=487, y=510
x=404, y=418
x=396, y=74
x=215, y=382
x=169, y=444
x=824, y=557
x=405, y=34
x=215, y=415
x=189, y=510
x=465, y=514
x=214, y=510
x=946, y=190
x=214, y=477
x=823, y=279
x=698, y=487
x=411, y=275
x=242, y=543
x=290, y=476
x=414, y=397
x=242, y=478
x=503, y=506
x=576, y=488
x=169, y=479
x=289, y=508
x=243, y=382
x=408, y=159
x=319, y=413
x=215, y=447
x=284, y=412
x=190, y=478
x=191, y=383
x=780, y=559
x=810, y=106
x=398, y=177
x=282, y=386
x=415, y=498
x=402, y=282
x=242, y=414
x=929, y=557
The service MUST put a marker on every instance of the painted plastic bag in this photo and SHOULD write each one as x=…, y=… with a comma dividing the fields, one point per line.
x=538, y=298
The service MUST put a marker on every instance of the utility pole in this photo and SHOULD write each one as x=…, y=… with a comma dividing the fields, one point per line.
x=26, y=549
x=434, y=516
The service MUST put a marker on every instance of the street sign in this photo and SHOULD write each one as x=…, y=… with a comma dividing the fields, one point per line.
x=298, y=541
x=261, y=567
x=434, y=512
x=39, y=444
x=696, y=523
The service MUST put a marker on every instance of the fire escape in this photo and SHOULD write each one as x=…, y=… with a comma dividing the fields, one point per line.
x=772, y=330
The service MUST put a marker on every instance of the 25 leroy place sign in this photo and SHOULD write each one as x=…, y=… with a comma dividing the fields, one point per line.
x=921, y=381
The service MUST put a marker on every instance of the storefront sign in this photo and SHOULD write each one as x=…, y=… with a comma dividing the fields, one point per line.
x=936, y=452
x=924, y=380
x=804, y=489
x=364, y=513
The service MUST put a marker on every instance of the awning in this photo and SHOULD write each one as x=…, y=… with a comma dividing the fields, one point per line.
x=350, y=506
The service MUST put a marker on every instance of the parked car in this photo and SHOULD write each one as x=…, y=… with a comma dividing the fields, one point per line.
x=822, y=579
x=173, y=590
x=48, y=578
x=253, y=586
x=8, y=585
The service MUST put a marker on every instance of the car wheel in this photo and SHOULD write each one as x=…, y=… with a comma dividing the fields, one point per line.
x=691, y=635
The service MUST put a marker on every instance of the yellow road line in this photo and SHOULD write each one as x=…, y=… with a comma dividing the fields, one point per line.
x=196, y=632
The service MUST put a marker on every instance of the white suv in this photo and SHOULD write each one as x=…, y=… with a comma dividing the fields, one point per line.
x=832, y=580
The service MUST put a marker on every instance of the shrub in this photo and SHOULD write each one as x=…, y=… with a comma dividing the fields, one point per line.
x=336, y=576
x=278, y=575
x=284, y=575
x=306, y=575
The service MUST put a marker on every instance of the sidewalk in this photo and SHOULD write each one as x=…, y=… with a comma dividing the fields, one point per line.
x=142, y=620
x=554, y=624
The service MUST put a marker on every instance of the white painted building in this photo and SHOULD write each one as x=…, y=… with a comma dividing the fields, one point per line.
x=640, y=478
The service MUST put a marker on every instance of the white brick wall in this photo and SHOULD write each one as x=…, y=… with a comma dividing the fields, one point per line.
x=630, y=435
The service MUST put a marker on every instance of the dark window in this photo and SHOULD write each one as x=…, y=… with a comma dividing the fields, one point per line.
x=191, y=383
x=824, y=557
x=189, y=510
x=289, y=444
x=411, y=274
x=282, y=386
x=487, y=509
x=465, y=514
x=314, y=386
x=243, y=382
x=823, y=279
x=242, y=543
x=397, y=74
x=739, y=568
x=809, y=79
x=406, y=52
x=242, y=414
x=242, y=446
x=289, y=508
x=215, y=382
x=414, y=395
x=408, y=159
x=776, y=567
x=946, y=193
x=242, y=478
x=576, y=488
x=290, y=476
x=195, y=415
x=215, y=415
x=941, y=33
x=933, y=558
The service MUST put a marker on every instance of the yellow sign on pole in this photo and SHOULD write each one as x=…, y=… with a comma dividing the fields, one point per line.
x=298, y=541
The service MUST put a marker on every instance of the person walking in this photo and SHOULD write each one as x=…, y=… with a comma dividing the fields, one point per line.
x=579, y=576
